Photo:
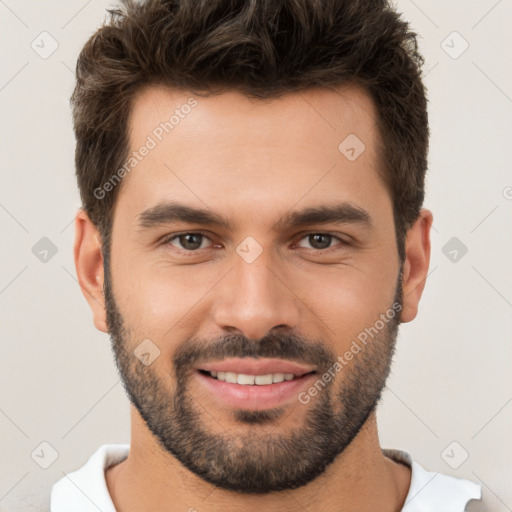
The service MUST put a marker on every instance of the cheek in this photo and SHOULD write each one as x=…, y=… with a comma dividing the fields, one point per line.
x=161, y=302
x=351, y=300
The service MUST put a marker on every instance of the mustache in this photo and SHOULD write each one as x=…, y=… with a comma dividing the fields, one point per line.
x=290, y=346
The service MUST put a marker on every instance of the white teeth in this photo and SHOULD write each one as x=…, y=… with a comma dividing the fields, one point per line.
x=231, y=377
x=250, y=380
x=262, y=380
x=245, y=379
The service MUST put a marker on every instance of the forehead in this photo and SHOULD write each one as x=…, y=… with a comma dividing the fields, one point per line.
x=323, y=114
x=238, y=151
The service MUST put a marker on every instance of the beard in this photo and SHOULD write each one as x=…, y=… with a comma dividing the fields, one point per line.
x=254, y=462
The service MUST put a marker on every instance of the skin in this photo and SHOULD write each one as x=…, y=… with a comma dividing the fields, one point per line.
x=253, y=161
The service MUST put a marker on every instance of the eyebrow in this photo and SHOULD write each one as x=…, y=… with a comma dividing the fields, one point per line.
x=174, y=212
x=339, y=213
x=171, y=212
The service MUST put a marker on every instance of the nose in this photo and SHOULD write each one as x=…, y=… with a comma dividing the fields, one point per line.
x=255, y=298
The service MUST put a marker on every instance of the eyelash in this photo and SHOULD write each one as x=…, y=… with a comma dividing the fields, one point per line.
x=169, y=238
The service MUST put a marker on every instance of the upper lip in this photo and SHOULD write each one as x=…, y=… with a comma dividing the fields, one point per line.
x=260, y=366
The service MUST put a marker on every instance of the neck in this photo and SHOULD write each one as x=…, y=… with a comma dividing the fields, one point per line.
x=361, y=478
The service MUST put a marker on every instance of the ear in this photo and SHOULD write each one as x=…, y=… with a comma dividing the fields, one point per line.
x=415, y=267
x=89, y=267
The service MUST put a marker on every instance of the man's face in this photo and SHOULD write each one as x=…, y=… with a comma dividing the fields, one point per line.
x=228, y=305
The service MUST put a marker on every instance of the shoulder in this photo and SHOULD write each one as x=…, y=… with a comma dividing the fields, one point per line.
x=431, y=490
x=86, y=486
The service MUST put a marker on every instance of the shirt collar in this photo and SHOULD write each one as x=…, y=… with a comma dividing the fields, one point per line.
x=86, y=489
x=432, y=491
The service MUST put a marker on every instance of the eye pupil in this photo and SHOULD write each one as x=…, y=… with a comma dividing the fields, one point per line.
x=191, y=241
x=316, y=240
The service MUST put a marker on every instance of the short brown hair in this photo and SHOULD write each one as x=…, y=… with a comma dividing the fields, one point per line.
x=262, y=48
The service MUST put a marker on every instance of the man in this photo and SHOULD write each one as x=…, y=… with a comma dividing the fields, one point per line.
x=252, y=235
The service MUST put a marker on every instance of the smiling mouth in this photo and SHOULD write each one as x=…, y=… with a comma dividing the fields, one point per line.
x=253, y=380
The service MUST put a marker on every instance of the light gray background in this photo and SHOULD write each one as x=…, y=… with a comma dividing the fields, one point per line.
x=451, y=378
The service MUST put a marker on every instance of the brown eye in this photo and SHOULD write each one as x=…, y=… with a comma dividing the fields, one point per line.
x=187, y=241
x=320, y=241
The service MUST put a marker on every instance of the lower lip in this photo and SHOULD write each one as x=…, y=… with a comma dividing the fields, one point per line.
x=254, y=397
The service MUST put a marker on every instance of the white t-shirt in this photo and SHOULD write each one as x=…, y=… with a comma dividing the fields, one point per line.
x=85, y=490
